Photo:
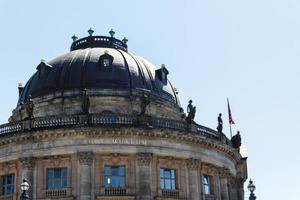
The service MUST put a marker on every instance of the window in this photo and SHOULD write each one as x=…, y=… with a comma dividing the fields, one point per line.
x=8, y=182
x=114, y=176
x=168, y=179
x=105, y=62
x=57, y=178
x=207, y=184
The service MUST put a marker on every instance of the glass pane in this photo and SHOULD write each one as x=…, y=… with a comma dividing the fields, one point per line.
x=64, y=183
x=206, y=189
x=122, y=171
x=115, y=171
x=57, y=183
x=57, y=173
x=8, y=190
x=167, y=174
x=173, y=184
x=107, y=170
x=8, y=179
x=162, y=186
x=122, y=182
x=107, y=181
x=114, y=182
x=161, y=173
x=167, y=184
x=64, y=172
x=50, y=183
x=205, y=179
x=50, y=173
x=173, y=173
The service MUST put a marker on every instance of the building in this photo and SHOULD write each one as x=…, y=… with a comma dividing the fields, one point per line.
x=102, y=123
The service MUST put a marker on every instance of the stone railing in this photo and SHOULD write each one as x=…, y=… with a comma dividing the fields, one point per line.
x=7, y=197
x=109, y=120
x=57, y=193
x=170, y=193
x=115, y=191
x=209, y=197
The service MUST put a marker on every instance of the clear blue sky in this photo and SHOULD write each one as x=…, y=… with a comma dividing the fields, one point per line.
x=247, y=50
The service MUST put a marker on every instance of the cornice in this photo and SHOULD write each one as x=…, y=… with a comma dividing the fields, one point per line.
x=143, y=133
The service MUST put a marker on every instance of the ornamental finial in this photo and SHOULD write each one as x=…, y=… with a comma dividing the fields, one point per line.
x=112, y=33
x=74, y=38
x=125, y=40
x=91, y=31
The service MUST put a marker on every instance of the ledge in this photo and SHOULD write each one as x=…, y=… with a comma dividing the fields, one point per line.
x=115, y=198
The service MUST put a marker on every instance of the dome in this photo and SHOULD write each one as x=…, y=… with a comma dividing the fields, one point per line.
x=99, y=62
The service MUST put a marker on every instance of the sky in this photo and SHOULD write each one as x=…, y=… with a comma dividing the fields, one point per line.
x=245, y=50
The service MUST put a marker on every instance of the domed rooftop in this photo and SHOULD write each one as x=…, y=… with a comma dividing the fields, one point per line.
x=99, y=62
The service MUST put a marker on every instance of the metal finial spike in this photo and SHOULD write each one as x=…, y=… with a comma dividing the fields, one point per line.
x=125, y=40
x=74, y=38
x=112, y=33
x=91, y=31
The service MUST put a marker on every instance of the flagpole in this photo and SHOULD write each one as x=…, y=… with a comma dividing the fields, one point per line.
x=229, y=120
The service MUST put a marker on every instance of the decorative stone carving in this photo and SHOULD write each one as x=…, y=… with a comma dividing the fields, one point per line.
x=224, y=173
x=27, y=162
x=144, y=158
x=209, y=168
x=193, y=163
x=86, y=158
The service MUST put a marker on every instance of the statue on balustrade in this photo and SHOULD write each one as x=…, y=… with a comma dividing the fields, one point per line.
x=191, y=110
x=236, y=140
x=85, y=102
x=220, y=123
x=29, y=106
x=145, y=101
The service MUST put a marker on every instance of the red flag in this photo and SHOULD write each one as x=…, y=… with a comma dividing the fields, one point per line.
x=229, y=113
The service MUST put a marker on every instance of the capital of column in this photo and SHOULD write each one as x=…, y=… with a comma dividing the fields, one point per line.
x=224, y=173
x=27, y=162
x=193, y=163
x=144, y=158
x=86, y=158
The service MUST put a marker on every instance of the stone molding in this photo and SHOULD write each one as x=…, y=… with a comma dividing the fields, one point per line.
x=28, y=162
x=86, y=158
x=144, y=158
x=210, y=168
x=224, y=173
x=193, y=163
x=164, y=134
x=115, y=198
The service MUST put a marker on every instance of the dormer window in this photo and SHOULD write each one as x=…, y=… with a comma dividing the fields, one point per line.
x=105, y=61
x=43, y=69
x=162, y=74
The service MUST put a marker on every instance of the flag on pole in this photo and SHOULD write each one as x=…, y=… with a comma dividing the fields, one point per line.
x=229, y=113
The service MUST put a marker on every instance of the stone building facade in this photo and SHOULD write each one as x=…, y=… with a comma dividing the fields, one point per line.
x=100, y=123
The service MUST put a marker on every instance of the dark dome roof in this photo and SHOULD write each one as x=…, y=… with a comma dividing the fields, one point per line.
x=98, y=62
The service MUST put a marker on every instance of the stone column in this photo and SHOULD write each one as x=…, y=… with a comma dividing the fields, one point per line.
x=28, y=164
x=85, y=168
x=193, y=166
x=233, y=189
x=224, y=189
x=224, y=176
x=144, y=160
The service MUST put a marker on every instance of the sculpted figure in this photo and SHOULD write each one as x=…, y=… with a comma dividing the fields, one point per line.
x=85, y=102
x=144, y=104
x=236, y=140
x=29, y=107
x=191, y=110
x=220, y=123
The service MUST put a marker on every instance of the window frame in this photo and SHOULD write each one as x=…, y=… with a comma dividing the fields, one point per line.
x=62, y=178
x=5, y=185
x=209, y=185
x=121, y=178
x=172, y=178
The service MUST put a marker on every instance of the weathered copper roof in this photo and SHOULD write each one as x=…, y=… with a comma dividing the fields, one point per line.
x=83, y=68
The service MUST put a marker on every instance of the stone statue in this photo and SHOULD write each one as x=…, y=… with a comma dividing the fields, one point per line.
x=85, y=102
x=236, y=140
x=29, y=107
x=220, y=123
x=191, y=110
x=144, y=104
